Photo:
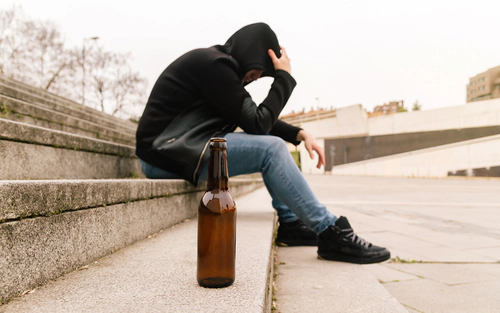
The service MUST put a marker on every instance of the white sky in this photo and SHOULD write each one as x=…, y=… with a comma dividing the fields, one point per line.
x=342, y=52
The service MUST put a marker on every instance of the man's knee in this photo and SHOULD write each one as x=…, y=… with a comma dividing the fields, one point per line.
x=277, y=145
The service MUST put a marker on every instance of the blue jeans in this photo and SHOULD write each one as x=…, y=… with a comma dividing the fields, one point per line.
x=292, y=197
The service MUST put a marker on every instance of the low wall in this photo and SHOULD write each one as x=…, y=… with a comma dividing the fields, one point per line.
x=356, y=137
x=348, y=150
x=440, y=161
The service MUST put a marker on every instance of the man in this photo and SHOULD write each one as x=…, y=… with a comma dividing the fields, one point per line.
x=202, y=95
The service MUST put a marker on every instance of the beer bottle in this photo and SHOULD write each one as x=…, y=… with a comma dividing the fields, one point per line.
x=216, y=223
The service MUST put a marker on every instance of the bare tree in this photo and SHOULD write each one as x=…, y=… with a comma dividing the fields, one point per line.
x=33, y=52
x=116, y=86
x=10, y=46
x=416, y=106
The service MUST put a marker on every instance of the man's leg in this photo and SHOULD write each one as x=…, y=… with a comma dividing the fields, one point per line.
x=269, y=155
x=291, y=230
x=246, y=155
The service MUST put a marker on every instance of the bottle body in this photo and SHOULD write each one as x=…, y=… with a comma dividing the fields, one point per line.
x=216, y=240
x=216, y=225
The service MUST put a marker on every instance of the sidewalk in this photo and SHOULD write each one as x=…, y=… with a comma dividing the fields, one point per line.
x=443, y=234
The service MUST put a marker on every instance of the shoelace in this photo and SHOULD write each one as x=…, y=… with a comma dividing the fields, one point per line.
x=356, y=239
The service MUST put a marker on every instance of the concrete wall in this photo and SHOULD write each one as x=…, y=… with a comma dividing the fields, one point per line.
x=475, y=114
x=431, y=162
x=352, y=122
x=355, y=149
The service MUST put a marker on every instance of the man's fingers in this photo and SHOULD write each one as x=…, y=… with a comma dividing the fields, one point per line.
x=322, y=159
x=272, y=54
x=321, y=156
x=283, y=51
x=281, y=63
x=320, y=162
x=310, y=150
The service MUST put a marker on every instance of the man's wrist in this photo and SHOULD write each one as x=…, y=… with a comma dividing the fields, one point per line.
x=300, y=135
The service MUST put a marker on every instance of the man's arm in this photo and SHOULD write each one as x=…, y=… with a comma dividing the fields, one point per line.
x=223, y=88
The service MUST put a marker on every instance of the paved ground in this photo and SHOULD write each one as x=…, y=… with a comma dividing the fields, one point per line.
x=443, y=234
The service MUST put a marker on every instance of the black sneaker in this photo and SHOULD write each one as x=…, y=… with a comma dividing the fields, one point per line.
x=295, y=234
x=339, y=243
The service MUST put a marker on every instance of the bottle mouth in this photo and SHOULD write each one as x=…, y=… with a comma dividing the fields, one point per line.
x=218, y=143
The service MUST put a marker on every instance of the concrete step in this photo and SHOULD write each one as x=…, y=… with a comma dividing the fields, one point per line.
x=22, y=91
x=32, y=152
x=74, y=110
x=79, y=222
x=93, y=116
x=34, y=114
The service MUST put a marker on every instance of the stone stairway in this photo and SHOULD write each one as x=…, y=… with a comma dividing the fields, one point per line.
x=67, y=196
x=157, y=274
x=37, y=114
x=21, y=91
x=78, y=234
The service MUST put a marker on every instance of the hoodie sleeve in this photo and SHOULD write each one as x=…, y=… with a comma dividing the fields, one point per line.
x=223, y=88
x=286, y=131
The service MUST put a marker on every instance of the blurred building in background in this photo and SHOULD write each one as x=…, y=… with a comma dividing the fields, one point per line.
x=484, y=86
x=388, y=108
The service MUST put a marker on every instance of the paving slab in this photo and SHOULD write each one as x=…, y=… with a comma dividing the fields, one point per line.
x=158, y=274
x=388, y=274
x=410, y=255
x=425, y=295
x=306, y=284
x=450, y=254
x=459, y=239
x=493, y=253
x=450, y=274
x=450, y=225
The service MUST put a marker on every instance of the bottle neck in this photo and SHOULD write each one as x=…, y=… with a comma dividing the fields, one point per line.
x=217, y=170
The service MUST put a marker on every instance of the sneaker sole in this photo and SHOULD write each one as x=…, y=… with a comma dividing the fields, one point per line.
x=296, y=243
x=351, y=259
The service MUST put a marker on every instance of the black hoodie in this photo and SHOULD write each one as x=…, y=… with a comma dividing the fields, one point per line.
x=249, y=47
x=201, y=95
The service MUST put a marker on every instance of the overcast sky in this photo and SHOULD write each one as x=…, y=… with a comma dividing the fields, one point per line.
x=342, y=52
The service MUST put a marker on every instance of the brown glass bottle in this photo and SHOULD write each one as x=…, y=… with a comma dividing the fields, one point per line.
x=216, y=223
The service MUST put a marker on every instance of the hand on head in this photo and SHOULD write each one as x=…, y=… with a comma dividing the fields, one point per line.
x=282, y=63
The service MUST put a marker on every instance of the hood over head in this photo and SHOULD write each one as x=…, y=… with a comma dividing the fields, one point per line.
x=249, y=46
